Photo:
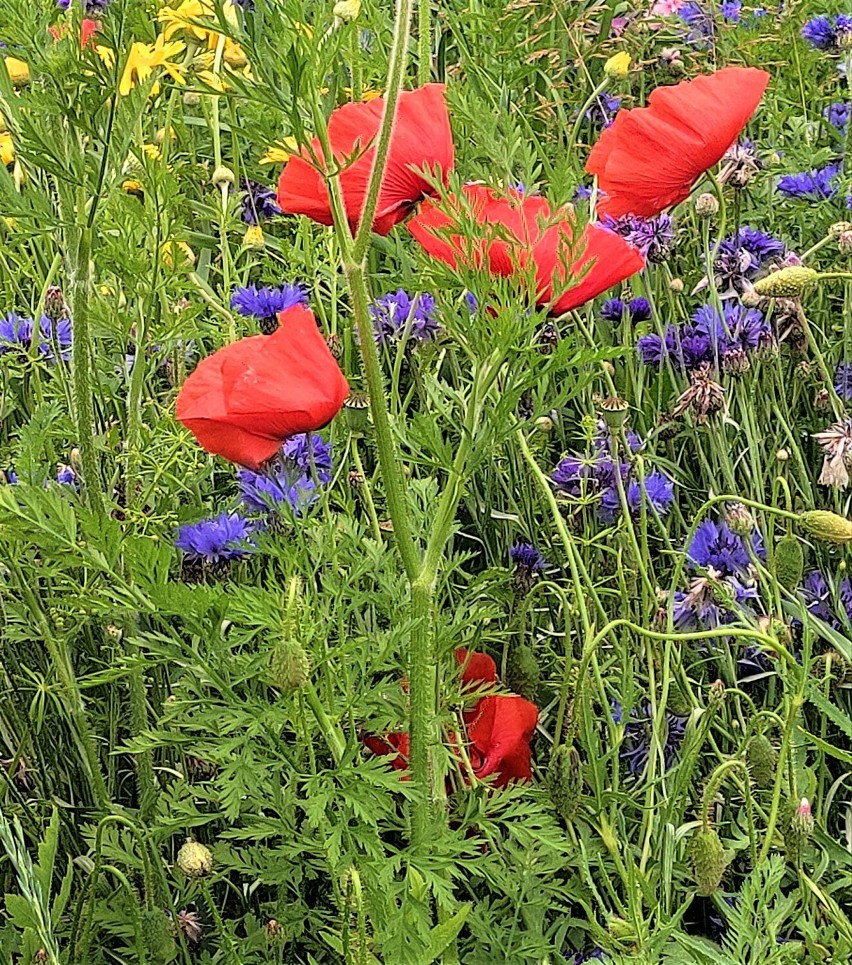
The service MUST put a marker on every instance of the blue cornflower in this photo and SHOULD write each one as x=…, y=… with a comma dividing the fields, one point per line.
x=731, y=10
x=740, y=257
x=65, y=475
x=214, y=540
x=571, y=472
x=91, y=8
x=837, y=114
x=397, y=313
x=651, y=236
x=612, y=310
x=603, y=110
x=289, y=478
x=264, y=304
x=818, y=184
x=828, y=33
x=258, y=202
x=816, y=593
x=595, y=955
x=700, y=23
x=16, y=332
x=843, y=380
x=636, y=747
x=658, y=490
x=472, y=302
x=11, y=477
x=715, y=545
x=639, y=309
x=529, y=565
x=709, y=601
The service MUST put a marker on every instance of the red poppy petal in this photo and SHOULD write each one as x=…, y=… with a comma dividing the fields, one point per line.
x=476, y=667
x=502, y=732
x=397, y=744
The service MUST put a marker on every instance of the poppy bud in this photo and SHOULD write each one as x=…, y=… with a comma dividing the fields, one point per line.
x=222, y=175
x=676, y=285
x=253, y=238
x=709, y=859
x=290, y=666
x=356, y=409
x=544, y=424
x=789, y=561
x=618, y=66
x=826, y=526
x=157, y=935
x=782, y=455
x=762, y=760
x=787, y=282
x=194, y=859
x=523, y=674
x=706, y=205
x=565, y=781
x=191, y=98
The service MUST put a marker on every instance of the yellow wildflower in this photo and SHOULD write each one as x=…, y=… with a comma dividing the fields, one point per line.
x=18, y=71
x=177, y=252
x=143, y=59
x=368, y=94
x=7, y=149
x=211, y=80
x=347, y=10
x=182, y=17
x=152, y=152
x=233, y=54
x=130, y=186
x=618, y=66
x=3, y=125
x=107, y=55
x=253, y=237
x=279, y=153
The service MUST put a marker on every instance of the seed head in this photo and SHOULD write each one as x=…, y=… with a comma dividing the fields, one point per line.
x=194, y=859
x=826, y=526
x=790, y=282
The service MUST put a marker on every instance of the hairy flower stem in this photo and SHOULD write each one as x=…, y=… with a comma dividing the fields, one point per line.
x=79, y=251
x=424, y=43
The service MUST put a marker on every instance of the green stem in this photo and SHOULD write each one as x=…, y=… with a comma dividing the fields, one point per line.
x=424, y=43
x=332, y=735
x=795, y=706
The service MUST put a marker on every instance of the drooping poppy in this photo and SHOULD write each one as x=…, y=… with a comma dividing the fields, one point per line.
x=421, y=139
x=244, y=400
x=498, y=727
x=650, y=157
x=522, y=234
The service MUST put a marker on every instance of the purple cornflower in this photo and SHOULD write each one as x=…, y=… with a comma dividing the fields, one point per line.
x=472, y=302
x=716, y=546
x=816, y=594
x=636, y=747
x=741, y=163
x=602, y=112
x=595, y=955
x=91, y=8
x=731, y=10
x=290, y=479
x=638, y=309
x=818, y=184
x=258, y=202
x=214, y=540
x=398, y=315
x=741, y=256
x=651, y=236
x=828, y=33
x=843, y=380
x=529, y=565
x=658, y=490
x=264, y=304
x=65, y=475
x=710, y=602
x=16, y=332
x=837, y=114
x=571, y=472
x=700, y=23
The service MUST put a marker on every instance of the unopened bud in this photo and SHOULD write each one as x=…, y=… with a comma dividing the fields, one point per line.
x=782, y=455
x=618, y=66
x=787, y=282
x=826, y=526
x=676, y=285
x=545, y=424
x=709, y=860
x=157, y=935
x=54, y=304
x=762, y=760
x=273, y=928
x=789, y=561
x=289, y=667
x=751, y=299
x=706, y=205
x=716, y=693
x=75, y=460
x=194, y=859
x=335, y=345
x=222, y=175
x=739, y=519
x=565, y=781
x=191, y=98
x=523, y=673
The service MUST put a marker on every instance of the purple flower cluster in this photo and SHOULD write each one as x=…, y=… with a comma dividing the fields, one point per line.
x=741, y=256
x=264, y=304
x=600, y=474
x=399, y=315
x=16, y=333
x=828, y=33
x=638, y=310
x=215, y=540
x=700, y=23
x=823, y=603
x=818, y=184
x=843, y=380
x=731, y=10
x=653, y=237
x=837, y=115
x=291, y=479
x=710, y=337
x=636, y=747
x=726, y=578
x=258, y=202
x=603, y=110
x=91, y=8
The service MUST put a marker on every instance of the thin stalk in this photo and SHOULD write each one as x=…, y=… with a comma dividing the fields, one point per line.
x=424, y=43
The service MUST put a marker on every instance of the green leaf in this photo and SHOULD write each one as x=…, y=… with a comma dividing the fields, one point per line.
x=442, y=935
x=47, y=853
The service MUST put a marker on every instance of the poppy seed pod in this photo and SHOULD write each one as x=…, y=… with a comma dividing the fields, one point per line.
x=787, y=282
x=194, y=859
x=826, y=526
x=709, y=860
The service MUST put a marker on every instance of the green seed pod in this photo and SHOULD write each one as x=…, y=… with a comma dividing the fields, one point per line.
x=565, y=781
x=158, y=936
x=356, y=410
x=194, y=859
x=787, y=283
x=789, y=561
x=290, y=666
x=797, y=828
x=523, y=674
x=709, y=860
x=762, y=760
x=826, y=526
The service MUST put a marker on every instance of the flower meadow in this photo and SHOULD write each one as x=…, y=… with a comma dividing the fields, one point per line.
x=425, y=462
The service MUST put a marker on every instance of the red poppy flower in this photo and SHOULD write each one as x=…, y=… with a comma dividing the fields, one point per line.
x=650, y=157
x=523, y=233
x=88, y=28
x=421, y=138
x=243, y=401
x=499, y=728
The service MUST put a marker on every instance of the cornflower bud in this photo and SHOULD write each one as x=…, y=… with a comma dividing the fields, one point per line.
x=826, y=526
x=194, y=859
x=676, y=285
x=787, y=282
x=739, y=519
x=706, y=205
x=618, y=66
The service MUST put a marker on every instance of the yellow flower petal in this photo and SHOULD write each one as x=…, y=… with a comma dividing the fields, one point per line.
x=7, y=149
x=18, y=70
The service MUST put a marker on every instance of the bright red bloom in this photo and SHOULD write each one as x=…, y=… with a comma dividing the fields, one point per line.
x=88, y=29
x=523, y=233
x=421, y=138
x=650, y=157
x=243, y=401
x=499, y=728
